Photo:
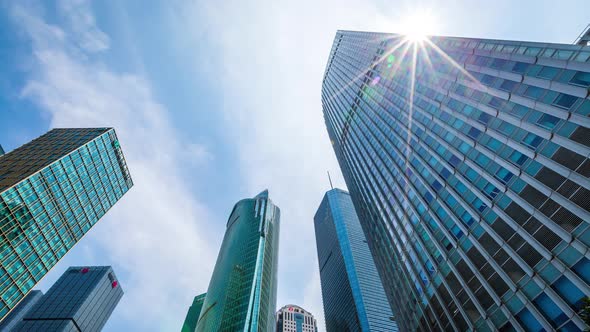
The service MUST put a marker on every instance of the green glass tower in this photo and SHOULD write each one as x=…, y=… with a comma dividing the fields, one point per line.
x=52, y=191
x=192, y=316
x=242, y=293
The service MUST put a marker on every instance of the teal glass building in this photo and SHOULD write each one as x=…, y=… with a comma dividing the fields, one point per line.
x=242, y=293
x=352, y=292
x=468, y=163
x=192, y=316
x=52, y=191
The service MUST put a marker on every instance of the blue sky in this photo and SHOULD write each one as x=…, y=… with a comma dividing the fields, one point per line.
x=213, y=101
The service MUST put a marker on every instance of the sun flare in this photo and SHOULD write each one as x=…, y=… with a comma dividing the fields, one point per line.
x=418, y=25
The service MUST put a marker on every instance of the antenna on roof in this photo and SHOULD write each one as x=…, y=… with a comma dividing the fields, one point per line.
x=329, y=178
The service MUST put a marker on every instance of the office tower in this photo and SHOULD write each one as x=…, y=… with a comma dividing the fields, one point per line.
x=467, y=162
x=82, y=299
x=584, y=38
x=292, y=318
x=52, y=191
x=1, y=150
x=16, y=315
x=352, y=292
x=192, y=316
x=242, y=293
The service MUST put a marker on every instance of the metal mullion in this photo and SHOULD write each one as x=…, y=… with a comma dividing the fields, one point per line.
x=467, y=232
x=447, y=128
x=57, y=205
x=435, y=291
x=520, y=201
x=125, y=168
x=476, y=243
x=48, y=193
x=114, y=171
x=92, y=182
x=514, y=197
x=517, y=146
x=526, y=265
x=408, y=280
x=468, y=291
x=77, y=197
x=402, y=289
x=106, y=170
x=493, y=132
x=417, y=274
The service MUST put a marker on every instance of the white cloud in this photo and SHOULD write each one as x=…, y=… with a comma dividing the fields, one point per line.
x=272, y=56
x=156, y=234
x=82, y=27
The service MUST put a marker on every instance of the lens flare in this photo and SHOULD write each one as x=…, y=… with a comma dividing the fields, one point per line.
x=417, y=25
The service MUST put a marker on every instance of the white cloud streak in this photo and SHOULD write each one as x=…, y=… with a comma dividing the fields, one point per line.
x=155, y=236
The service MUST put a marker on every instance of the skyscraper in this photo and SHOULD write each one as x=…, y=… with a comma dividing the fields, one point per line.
x=52, y=191
x=292, y=318
x=242, y=293
x=352, y=293
x=82, y=299
x=16, y=315
x=467, y=162
x=192, y=316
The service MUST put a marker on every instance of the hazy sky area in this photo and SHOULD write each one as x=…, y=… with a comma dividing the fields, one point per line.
x=213, y=101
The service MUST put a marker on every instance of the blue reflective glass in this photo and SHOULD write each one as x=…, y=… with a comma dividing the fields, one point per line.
x=564, y=100
x=581, y=78
x=548, y=121
x=529, y=322
x=550, y=309
x=569, y=292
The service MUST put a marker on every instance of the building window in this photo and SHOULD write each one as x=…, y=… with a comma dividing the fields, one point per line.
x=581, y=78
x=565, y=101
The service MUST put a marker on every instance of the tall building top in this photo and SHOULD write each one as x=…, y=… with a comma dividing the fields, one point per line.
x=263, y=194
x=584, y=37
x=293, y=318
x=352, y=292
x=194, y=311
x=242, y=291
x=82, y=299
x=293, y=308
x=32, y=157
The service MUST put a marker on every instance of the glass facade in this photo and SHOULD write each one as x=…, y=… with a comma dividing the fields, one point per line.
x=192, y=316
x=293, y=318
x=352, y=292
x=82, y=299
x=17, y=314
x=467, y=161
x=242, y=293
x=52, y=191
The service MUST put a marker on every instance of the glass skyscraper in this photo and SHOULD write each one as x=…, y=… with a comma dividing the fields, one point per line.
x=293, y=318
x=82, y=299
x=352, y=293
x=467, y=161
x=242, y=293
x=16, y=315
x=192, y=316
x=52, y=191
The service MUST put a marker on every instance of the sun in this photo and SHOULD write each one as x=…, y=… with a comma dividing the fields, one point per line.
x=417, y=25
